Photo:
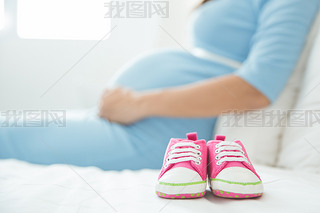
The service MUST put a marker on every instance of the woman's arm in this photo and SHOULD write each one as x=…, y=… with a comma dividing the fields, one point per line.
x=203, y=99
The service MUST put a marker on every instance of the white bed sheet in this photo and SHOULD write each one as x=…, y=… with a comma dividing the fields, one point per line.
x=61, y=188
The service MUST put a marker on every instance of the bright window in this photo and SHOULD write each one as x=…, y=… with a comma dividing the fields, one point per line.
x=62, y=19
x=1, y=14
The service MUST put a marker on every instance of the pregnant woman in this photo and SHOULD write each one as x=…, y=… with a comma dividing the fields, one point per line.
x=244, y=53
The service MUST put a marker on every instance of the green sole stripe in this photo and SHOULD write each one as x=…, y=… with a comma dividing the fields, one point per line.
x=231, y=182
x=181, y=184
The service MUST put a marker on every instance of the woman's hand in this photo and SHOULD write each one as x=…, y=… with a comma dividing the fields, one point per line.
x=122, y=106
x=208, y=98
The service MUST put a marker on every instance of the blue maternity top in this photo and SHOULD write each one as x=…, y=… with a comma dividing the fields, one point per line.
x=267, y=36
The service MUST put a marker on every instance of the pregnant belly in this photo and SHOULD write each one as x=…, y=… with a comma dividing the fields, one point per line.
x=166, y=68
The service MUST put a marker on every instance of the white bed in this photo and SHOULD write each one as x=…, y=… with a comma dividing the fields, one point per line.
x=61, y=188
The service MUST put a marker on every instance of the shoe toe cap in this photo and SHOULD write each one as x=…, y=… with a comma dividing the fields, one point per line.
x=180, y=175
x=238, y=174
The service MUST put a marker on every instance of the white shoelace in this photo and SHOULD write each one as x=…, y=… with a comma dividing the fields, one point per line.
x=183, y=151
x=232, y=151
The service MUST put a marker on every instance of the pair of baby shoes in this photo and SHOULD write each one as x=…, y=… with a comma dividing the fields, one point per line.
x=188, y=162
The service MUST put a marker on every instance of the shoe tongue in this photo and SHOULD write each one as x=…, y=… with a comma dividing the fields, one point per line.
x=236, y=163
x=192, y=136
x=220, y=137
x=187, y=164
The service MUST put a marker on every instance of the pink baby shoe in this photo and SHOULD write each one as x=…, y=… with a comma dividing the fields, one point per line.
x=184, y=170
x=231, y=174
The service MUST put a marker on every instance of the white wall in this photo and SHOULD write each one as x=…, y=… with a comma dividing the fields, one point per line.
x=29, y=66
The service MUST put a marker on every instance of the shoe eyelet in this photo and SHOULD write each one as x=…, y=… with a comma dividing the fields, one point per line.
x=218, y=163
x=217, y=146
x=199, y=158
x=198, y=162
x=199, y=153
x=198, y=146
x=217, y=158
x=167, y=159
x=217, y=151
x=172, y=147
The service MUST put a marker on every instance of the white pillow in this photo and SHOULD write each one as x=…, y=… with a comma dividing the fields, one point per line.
x=260, y=138
x=261, y=131
x=300, y=147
